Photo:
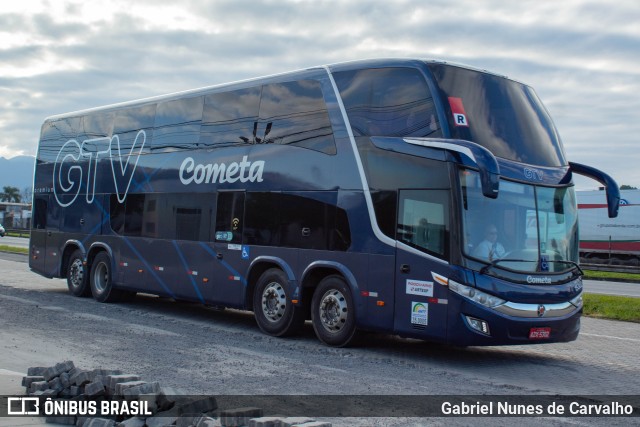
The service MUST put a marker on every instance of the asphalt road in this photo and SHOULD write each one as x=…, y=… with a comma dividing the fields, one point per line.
x=19, y=242
x=202, y=351
x=612, y=288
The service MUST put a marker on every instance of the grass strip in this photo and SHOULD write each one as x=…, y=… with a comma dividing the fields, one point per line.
x=25, y=234
x=612, y=307
x=13, y=249
x=610, y=275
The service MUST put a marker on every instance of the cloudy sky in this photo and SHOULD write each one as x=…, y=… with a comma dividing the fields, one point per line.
x=581, y=56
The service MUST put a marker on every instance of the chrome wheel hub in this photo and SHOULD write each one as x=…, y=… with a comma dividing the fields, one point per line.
x=274, y=302
x=76, y=273
x=333, y=310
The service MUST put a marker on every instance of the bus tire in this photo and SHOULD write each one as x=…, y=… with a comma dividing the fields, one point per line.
x=100, y=279
x=77, y=276
x=332, y=312
x=275, y=313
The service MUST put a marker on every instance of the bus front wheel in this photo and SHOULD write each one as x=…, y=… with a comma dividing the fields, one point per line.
x=332, y=312
x=100, y=279
x=275, y=313
x=77, y=279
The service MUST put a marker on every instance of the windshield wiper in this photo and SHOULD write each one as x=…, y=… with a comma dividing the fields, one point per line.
x=573, y=263
x=499, y=260
x=494, y=263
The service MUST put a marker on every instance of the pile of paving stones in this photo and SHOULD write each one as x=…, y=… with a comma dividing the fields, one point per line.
x=72, y=390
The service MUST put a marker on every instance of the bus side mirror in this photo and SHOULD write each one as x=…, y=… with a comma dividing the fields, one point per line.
x=612, y=189
x=469, y=154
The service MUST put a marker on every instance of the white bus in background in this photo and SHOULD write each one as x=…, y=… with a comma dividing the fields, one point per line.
x=609, y=240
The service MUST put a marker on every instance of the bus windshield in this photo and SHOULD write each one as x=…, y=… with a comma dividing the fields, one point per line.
x=526, y=229
x=502, y=115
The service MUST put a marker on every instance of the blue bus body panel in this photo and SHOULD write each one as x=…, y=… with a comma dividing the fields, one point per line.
x=84, y=185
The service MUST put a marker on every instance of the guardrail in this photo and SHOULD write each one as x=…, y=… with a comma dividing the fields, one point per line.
x=613, y=268
x=18, y=232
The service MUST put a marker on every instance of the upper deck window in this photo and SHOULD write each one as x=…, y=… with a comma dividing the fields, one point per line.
x=388, y=102
x=229, y=117
x=294, y=113
x=502, y=115
x=177, y=124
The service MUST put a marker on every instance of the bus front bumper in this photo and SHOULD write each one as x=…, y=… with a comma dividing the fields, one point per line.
x=471, y=324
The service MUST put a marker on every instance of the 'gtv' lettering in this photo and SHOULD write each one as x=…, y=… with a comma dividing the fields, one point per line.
x=68, y=173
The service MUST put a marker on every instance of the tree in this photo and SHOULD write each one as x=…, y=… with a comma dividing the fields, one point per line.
x=10, y=194
x=627, y=187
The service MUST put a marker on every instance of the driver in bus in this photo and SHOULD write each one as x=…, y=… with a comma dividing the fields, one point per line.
x=490, y=249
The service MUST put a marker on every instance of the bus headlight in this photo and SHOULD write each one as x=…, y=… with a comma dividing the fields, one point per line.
x=478, y=325
x=475, y=295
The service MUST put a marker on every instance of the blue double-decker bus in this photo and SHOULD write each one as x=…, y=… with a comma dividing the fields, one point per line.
x=411, y=197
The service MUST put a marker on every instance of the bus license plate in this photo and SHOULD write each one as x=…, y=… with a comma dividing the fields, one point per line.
x=539, y=333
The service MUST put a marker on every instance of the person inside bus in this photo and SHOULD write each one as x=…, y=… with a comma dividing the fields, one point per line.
x=490, y=249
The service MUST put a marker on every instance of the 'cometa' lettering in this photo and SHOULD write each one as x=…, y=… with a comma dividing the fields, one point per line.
x=245, y=171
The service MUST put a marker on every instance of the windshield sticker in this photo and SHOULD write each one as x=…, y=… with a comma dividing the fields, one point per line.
x=457, y=108
x=224, y=236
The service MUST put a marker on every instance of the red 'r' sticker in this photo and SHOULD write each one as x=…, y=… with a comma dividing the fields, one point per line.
x=457, y=108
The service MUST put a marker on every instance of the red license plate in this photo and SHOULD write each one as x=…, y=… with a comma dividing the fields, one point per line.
x=539, y=333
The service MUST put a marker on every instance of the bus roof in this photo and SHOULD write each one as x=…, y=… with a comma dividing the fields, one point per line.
x=284, y=76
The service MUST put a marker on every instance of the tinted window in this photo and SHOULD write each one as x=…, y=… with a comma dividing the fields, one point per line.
x=183, y=216
x=127, y=218
x=294, y=113
x=116, y=214
x=134, y=210
x=177, y=124
x=504, y=116
x=40, y=208
x=387, y=170
x=262, y=219
x=423, y=220
x=128, y=124
x=188, y=223
x=98, y=125
x=298, y=221
x=305, y=223
x=55, y=134
x=388, y=102
x=230, y=217
x=229, y=117
x=385, y=206
x=135, y=118
x=191, y=214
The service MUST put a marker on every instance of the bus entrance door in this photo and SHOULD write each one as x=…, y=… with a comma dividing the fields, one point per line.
x=43, y=246
x=421, y=304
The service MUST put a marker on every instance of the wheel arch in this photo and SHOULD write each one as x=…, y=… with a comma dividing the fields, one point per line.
x=261, y=264
x=70, y=246
x=95, y=249
x=318, y=270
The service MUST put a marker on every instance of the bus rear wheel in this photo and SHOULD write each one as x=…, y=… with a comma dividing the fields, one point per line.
x=77, y=277
x=332, y=312
x=275, y=313
x=100, y=279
